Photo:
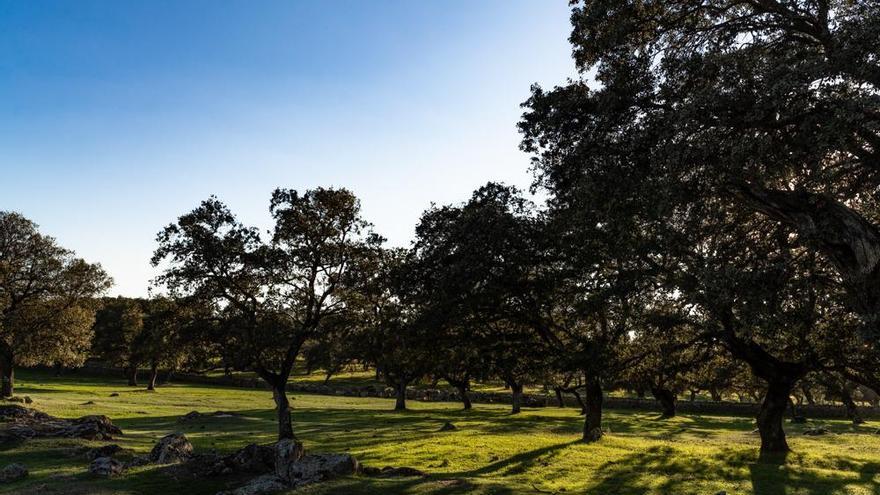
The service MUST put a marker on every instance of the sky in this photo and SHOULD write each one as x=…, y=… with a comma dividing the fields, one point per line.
x=116, y=117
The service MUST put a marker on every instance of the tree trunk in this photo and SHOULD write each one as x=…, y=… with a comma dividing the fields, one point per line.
x=516, y=403
x=7, y=380
x=560, y=401
x=772, y=414
x=465, y=397
x=716, y=395
x=593, y=421
x=666, y=399
x=154, y=374
x=282, y=408
x=580, y=401
x=400, y=403
x=852, y=412
x=693, y=395
x=132, y=374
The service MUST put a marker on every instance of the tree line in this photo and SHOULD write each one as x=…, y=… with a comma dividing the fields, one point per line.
x=711, y=218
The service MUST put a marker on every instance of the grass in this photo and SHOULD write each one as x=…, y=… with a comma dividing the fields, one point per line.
x=491, y=451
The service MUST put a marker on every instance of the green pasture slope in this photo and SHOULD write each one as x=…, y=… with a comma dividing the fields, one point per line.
x=490, y=452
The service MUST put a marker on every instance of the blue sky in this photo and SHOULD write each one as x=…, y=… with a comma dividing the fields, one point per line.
x=118, y=116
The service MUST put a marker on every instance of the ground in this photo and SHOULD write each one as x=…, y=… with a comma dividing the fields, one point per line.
x=490, y=452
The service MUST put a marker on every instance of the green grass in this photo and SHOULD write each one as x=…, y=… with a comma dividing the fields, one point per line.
x=491, y=452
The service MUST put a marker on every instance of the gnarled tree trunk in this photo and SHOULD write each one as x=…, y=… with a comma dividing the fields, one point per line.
x=771, y=416
x=666, y=399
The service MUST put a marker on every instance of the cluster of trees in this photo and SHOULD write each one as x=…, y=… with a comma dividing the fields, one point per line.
x=711, y=224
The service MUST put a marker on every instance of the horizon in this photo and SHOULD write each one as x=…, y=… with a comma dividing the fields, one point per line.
x=117, y=118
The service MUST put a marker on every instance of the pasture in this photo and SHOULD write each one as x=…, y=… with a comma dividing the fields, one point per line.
x=491, y=451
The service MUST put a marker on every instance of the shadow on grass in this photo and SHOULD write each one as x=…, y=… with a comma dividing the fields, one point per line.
x=663, y=470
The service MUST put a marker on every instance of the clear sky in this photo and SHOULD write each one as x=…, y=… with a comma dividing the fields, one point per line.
x=118, y=116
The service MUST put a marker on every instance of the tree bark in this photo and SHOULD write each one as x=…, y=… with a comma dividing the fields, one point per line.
x=560, y=401
x=593, y=421
x=772, y=415
x=851, y=410
x=7, y=375
x=400, y=403
x=516, y=402
x=282, y=408
x=465, y=397
x=154, y=374
x=666, y=399
x=716, y=395
x=580, y=401
x=132, y=374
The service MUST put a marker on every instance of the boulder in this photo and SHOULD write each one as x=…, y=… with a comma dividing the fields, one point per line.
x=254, y=458
x=194, y=415
x=13, y=472
x=138, y=460
x=318, y=467
x=267, y=483
x=95, y=427
x=103, y=451
x=447, y=426
x=171, y=449
x=287, y=452
x=106, y=466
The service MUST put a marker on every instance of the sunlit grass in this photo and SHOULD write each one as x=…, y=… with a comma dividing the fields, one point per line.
x=490, y=452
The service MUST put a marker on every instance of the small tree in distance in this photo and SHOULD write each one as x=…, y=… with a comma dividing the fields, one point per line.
x=273, y=295
x=48, y=299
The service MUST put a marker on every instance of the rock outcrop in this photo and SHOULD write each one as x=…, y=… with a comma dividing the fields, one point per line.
x=13, y=472
x=106, y=466
x=171, y=448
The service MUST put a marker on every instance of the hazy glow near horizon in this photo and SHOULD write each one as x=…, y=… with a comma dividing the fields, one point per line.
x=117, y=117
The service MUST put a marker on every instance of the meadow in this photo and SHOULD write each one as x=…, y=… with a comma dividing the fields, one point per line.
x=490, y=451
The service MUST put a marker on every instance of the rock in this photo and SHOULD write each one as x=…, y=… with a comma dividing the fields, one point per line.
x=287, y=452
x=447, y=426
x=318, y=467
x=28, y=400
x=264, y=484
x=138, y=460
x=88, y=403
x=399, y=472
x=25, y=423
x=194, y=415
x=254, y=458
x=97, y=427
x=106, y=466
x=103, y=451
x=114, y=394
x=13, y=472
x=816, y=431
x=171, y=448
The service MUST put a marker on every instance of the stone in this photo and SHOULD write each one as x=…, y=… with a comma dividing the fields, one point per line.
x=447, y=426
x=287, y=452
x=254, y=458
x=13, y=472
x=400, y=472
x=816, y=431
x=258, y=486
x=314, y=468
x=138, y=460
x=114, y=394
x=103, y=451
x=106, y=466
x=171, y=449
x=28, y=400
x=194, y=415
x=24, y=423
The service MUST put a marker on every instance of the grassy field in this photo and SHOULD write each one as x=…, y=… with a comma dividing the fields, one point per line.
x=490, y=452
